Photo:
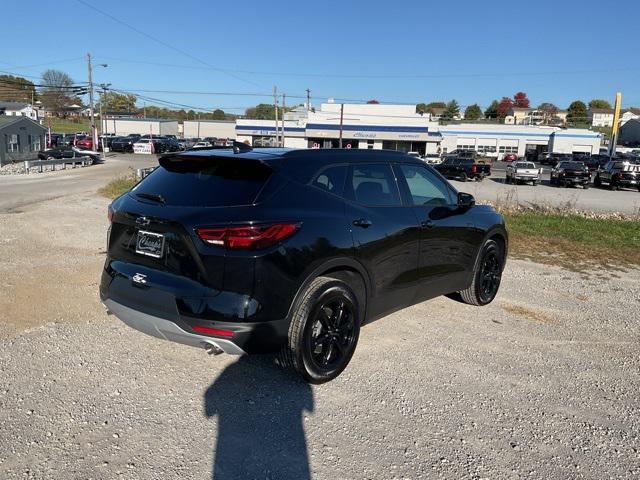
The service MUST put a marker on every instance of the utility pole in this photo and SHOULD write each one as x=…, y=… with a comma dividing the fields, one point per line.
x=283, y=110
x=308, y=100
x=341, y=118
x=144, y=109
x=94, y=133
x=103, y=122
x=275, y=111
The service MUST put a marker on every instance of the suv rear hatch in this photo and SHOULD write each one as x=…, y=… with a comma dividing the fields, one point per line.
x=154, y=235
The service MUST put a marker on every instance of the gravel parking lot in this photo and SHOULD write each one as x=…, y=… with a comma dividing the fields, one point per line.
x=543, y=383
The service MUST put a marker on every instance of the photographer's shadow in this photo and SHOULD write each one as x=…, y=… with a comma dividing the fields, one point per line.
x=260, y=410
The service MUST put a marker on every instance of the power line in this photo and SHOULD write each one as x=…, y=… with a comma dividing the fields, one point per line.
x=165, y=44
x=384, y=76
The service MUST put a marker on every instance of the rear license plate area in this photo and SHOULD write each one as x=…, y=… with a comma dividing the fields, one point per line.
x=150, y=244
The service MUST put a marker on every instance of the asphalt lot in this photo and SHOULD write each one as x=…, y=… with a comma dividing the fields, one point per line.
x=493, y=189
x=542, y=383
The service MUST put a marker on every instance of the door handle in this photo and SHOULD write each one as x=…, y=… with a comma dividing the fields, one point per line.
x=427, y=224
x=362, y=222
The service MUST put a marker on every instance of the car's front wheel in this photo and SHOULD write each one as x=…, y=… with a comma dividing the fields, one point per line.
x=486, y=276
x=324, y=330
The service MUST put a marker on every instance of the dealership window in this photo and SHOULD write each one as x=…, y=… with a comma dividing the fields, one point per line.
x=263, y=141
x=12, y=142
x=370, y=144
x=486, y=149
x=466, y=147
x=375, y=185
x=505, y=149
x=404, y=146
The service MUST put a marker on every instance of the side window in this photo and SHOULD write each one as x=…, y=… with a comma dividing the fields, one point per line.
x=425, y=187
x=331, y=180
x=375, y=185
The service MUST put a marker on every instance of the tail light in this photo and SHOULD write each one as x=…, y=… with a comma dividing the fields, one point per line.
x=213, y=331
x=473, y=169
x=110, y=213
x=248, y=237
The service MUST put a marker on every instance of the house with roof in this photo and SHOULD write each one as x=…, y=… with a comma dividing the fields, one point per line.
x=21, y=138
x=603, y=117
x=18, y=109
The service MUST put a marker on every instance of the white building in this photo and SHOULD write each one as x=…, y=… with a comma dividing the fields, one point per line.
x=18, y=109
x=496, y=140
x=398, y=127
x=374, y=126
x=142, y=126
x=209, y=128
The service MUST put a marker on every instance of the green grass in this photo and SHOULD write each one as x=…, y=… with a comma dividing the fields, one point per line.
x=118, y=186
x=68, y=125
x=573, y=241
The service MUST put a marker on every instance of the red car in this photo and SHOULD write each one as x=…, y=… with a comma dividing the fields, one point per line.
x=84, y=143
x=510, y=157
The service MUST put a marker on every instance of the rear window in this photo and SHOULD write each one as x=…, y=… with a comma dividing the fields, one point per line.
x=525, y=165
x=574, y=165
x=206, y=182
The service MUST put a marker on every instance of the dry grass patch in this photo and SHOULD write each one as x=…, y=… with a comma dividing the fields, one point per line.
x=527, y=313
x=118, y=186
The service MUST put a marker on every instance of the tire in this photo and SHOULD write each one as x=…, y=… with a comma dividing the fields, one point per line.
x=597, y=182
x=534, y=183
x=486, y=276
x=317, y=316
x=553, y=181
x=463, y=177
x=507, y=180
x=585, y=186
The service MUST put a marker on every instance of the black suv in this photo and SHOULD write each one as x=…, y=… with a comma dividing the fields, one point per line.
x=293, y=250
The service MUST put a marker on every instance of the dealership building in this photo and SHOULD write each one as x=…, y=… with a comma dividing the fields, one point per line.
x=399, y=127
x=142, y=126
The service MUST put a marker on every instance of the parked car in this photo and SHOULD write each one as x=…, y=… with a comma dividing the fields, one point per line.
x=124, y=144
x=567, y=173
x=596, y=161
x=555, y=158
x=463, y=169
x=618, y=174
x=202, y=144
x=293, y=251
x=523, y=172
x=510, y=157
x=58, y=153
x=432, y=158
x=84, y=143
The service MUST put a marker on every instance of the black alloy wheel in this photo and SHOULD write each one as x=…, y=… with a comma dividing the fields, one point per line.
x=487, y=275
x=490, y=275
x=331, y=333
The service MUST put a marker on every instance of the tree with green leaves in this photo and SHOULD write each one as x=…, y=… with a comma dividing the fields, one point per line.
x=57, y=91
x=577, y=113
x=492, y=110
x=117, y=102
x=452, y=110
x=218, y=114
x=599, y=103
x=262, y=111
x=17, y=89
x=473, y=112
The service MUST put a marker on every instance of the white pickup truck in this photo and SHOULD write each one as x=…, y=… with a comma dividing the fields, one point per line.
x=523, y=172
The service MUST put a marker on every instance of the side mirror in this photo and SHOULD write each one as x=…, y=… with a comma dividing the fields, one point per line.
x=465, y=200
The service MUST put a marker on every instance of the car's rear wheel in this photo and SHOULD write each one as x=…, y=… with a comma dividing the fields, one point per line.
x=463, y=177
x=324, y=330
x=486, y=277
x=597, y=182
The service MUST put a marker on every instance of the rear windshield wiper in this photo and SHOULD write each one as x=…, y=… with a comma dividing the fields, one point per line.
x=151, y=196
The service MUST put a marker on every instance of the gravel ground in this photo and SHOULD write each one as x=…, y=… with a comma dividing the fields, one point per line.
x=542, y=383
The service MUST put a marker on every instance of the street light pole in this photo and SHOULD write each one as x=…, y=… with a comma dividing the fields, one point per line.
x=94, y=133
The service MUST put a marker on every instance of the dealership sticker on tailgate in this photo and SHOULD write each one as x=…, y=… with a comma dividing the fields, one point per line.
x=150, y=244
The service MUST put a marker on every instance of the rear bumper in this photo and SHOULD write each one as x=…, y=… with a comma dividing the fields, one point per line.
x=168, y=330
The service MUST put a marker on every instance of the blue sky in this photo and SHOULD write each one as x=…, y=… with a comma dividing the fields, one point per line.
x=403, y=51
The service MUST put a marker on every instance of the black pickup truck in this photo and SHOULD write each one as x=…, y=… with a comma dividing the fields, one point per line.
x=618, y=174
x=463, y=169
x=571, y=173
